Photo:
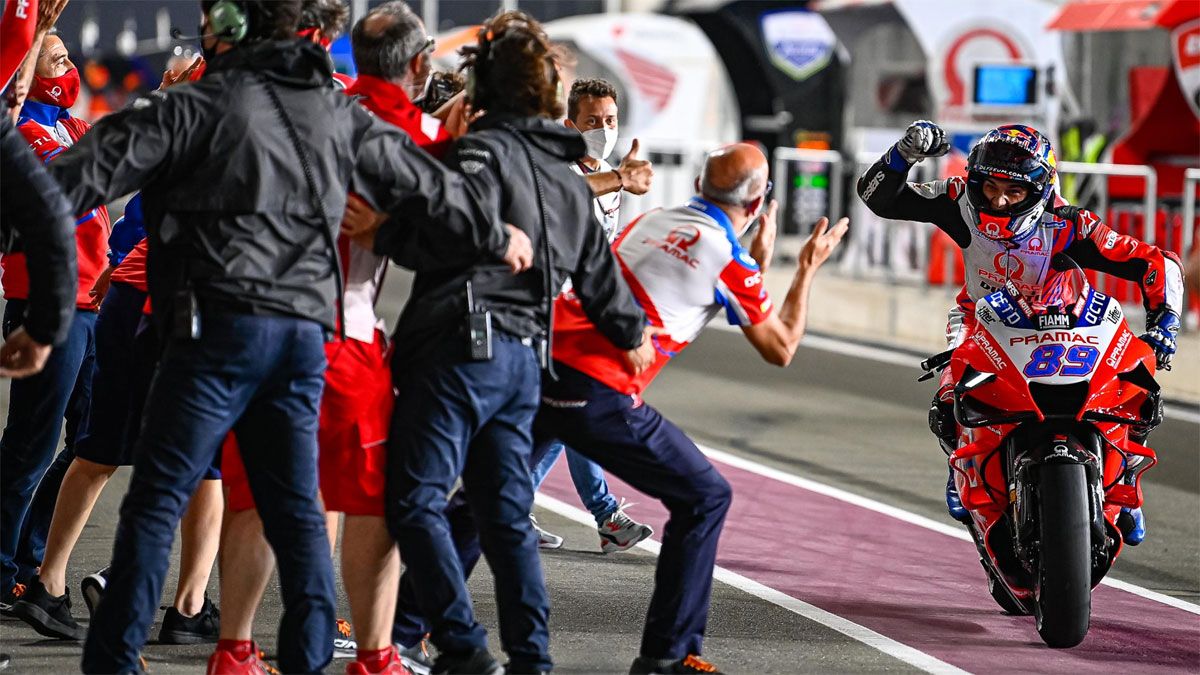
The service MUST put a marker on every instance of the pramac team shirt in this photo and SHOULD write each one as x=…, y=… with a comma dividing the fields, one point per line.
x=685, y=266
x=50, y=130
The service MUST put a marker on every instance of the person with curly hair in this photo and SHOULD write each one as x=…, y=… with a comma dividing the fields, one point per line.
x=465, y=408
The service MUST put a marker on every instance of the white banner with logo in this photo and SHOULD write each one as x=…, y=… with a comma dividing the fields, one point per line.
x=957, y=35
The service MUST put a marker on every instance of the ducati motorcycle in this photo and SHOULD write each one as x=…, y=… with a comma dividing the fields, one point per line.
x=1050, y=395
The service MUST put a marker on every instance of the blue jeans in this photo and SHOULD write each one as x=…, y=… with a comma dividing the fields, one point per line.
x=36, y=408
x=471, y=418
x=262, y=377
x=587, y=476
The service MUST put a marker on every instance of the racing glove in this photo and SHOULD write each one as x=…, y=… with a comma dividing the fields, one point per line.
x=1081, y=218
x=922, y=139
x=1162, y=325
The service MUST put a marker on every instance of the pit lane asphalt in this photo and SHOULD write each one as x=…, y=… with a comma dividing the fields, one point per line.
x=853, y=424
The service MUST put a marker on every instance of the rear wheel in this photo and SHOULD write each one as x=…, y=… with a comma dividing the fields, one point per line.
x=1063, y=596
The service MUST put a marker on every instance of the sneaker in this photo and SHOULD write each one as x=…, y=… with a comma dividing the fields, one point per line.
x=10, y=598
x=393, y=666
x=476, y=662
x=224, y=662
x=619, y=532
x=344, y=646
x=644, y=665
x=48, y=615
x=417, y=658
x=92, y=589
x=1132, y=524
x=178, y=629
x=954, y=503
x=546, y=540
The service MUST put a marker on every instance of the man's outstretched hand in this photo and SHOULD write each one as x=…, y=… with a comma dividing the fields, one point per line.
x=821, y=243
x=762, y=249
x=636, y=174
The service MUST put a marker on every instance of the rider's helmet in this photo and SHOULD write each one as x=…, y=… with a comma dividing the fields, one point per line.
x=1018, y=153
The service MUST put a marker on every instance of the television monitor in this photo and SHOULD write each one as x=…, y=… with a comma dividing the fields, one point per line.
x=1005, y=85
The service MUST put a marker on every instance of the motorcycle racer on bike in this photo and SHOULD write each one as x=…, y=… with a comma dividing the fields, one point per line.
x=1008, y=219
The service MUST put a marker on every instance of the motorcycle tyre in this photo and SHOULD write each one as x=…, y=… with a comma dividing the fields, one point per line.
x=1063, y=596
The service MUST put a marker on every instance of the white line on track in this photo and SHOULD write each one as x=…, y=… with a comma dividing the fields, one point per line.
x=897, y=650
x=958, y=532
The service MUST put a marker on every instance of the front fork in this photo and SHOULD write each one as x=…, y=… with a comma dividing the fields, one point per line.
x=1078, y=448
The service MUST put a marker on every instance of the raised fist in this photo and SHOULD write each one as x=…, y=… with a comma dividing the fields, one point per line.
x=922, y=139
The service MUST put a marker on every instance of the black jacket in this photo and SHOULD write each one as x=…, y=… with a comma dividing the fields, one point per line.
x=228, y=210
x=35, y=220
x=492, y=156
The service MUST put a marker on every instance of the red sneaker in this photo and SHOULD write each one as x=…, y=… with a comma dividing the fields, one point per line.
x=391, y=666
x=225, y=662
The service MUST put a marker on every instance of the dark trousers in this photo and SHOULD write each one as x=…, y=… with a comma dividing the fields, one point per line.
x=470, y=418
x=410, y=625
x=115, y=411
x=261, y=377
x=634, y=442
x=36, y=408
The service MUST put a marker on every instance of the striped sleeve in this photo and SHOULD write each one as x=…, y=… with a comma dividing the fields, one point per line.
x=740, y=290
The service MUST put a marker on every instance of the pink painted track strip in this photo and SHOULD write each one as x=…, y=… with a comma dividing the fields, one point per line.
x=916, y=586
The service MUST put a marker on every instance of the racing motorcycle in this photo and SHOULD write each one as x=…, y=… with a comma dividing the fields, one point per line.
x=1050, y=394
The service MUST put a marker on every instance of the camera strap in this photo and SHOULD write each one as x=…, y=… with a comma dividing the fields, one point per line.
x=314, y=195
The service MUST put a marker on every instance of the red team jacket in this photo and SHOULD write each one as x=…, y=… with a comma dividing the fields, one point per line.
x=44, y=127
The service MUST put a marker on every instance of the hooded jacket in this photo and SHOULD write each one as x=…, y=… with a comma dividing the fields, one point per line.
x=227, y=207
x=492, y=155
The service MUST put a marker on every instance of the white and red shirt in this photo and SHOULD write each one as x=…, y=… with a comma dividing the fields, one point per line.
x=685, y=266
x=364, y=270
x=606, y=207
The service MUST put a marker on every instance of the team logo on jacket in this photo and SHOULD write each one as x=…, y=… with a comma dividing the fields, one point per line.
x=677, y=243
x=683, y=236
x=1008, y=266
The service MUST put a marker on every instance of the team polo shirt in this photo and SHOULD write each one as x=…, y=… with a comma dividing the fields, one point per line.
x=606, y=207
x=685, y=266
x=364, y=270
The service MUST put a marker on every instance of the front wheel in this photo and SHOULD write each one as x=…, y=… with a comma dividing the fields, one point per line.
x=1063, y=595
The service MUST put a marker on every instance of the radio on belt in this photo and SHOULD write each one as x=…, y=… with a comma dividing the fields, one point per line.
x=479, y=329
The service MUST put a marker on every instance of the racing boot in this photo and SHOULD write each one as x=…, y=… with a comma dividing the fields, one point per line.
x=954, y=503
x=1132, y=522
x=1132, y=525
x=945, y=428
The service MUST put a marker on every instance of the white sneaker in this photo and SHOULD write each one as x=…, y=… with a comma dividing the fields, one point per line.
x=546, y=540
x=417, y=658
x=619, y=532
